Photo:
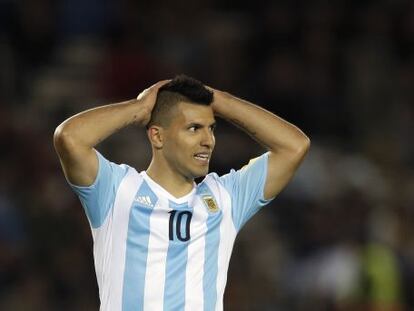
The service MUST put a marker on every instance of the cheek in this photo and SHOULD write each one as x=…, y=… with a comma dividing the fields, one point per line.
x=180, y=146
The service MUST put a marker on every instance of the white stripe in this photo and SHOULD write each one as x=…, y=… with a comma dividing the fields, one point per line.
x=102, y=243
x=121, y=211
x=195, y=260
x=157, y=257
x=227, y=236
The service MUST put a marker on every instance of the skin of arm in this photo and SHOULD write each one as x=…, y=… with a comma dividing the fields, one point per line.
x=286, y=143
x=76, y=137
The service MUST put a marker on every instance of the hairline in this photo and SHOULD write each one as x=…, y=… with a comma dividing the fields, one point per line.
x=173, y=110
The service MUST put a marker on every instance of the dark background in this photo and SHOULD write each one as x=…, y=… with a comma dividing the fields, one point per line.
x=339, y=237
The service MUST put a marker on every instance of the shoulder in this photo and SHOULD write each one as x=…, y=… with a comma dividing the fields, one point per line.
x=211, y=178
x=113, y=168
x=216, y=183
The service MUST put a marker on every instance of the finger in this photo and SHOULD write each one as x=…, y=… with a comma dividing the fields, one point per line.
x=160, y=83
x=142, y=94
x=209, y=88
x=153, y=88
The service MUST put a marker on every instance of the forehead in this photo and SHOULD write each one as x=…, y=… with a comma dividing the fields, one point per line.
x=186, y=113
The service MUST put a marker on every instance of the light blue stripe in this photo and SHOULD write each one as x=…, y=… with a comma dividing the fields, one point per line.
x=137, y=251
x=246, y=189
x=97, y=199
x=174, y=290
x=212, y=242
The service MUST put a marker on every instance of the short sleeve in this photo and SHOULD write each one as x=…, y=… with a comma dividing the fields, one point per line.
x=246, y=188
x=98, y=198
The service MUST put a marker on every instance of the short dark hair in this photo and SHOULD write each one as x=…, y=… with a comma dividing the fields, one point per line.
x=180, y=89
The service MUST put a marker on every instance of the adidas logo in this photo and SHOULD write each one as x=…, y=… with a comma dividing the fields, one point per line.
x=144, y=200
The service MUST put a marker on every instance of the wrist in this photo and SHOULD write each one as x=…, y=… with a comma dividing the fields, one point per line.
x=221, y=95
x=140, y=112
x=221, y=101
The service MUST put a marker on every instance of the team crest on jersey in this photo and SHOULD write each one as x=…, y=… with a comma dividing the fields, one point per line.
x=210, y=203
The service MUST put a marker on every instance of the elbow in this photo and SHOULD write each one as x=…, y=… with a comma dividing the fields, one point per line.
x=61, y=139
x=305, y=145
x=301, y=147
x=296, y=150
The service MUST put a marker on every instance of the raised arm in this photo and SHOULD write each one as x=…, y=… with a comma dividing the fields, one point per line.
x=76, y=137
x=286, y=143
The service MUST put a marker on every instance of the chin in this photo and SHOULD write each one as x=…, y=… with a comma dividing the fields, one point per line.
x=200, y=173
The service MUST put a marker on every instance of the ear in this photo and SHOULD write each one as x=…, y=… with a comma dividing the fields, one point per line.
x=156, y=136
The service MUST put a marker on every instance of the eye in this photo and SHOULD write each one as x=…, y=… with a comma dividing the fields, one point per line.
x=193, y=128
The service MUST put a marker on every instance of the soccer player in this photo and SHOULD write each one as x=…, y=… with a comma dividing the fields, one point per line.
x=161, y=241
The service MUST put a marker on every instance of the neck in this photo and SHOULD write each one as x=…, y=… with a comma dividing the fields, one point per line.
x=175, y=183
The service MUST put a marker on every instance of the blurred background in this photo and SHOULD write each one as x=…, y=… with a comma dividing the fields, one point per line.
x=339, y=237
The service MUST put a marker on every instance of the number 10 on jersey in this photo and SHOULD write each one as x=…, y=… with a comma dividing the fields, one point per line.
x=175, y=225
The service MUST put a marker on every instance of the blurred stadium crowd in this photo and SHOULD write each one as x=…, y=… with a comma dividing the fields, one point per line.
x=340, y=237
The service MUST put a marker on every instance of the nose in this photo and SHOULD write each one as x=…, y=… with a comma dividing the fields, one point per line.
x=208, y=139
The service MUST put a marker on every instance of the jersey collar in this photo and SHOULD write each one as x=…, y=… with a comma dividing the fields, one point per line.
x=159, y=189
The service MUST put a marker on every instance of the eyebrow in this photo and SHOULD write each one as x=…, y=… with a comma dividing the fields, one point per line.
x=214, y=124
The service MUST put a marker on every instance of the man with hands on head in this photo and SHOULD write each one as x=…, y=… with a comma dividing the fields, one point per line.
x=161, y=241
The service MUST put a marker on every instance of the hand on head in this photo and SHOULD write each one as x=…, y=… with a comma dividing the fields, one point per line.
x=151, y=92
x=148, y=97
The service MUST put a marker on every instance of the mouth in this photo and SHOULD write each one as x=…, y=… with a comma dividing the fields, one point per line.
x=202, y=157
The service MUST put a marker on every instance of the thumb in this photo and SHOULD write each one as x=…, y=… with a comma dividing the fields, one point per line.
x=142, y=94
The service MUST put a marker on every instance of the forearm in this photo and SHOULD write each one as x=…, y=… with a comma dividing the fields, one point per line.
x=75, y=138
x=90, y=127
x=271, y=131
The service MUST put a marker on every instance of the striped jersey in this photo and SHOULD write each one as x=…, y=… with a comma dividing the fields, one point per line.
x=153, y=251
